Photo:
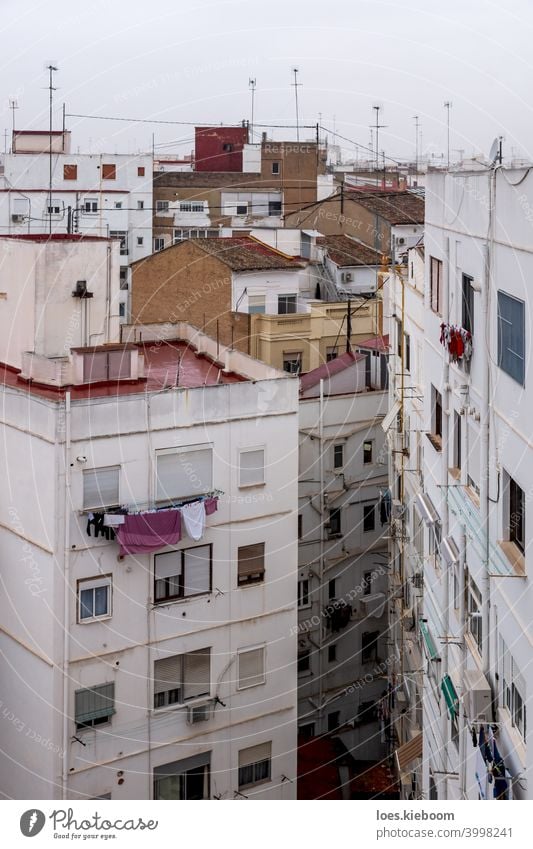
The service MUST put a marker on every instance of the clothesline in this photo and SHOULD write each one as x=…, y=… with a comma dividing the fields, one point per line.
x=135, y=509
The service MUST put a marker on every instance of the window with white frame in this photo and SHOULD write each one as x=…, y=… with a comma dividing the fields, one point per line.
x=191, y=206
x=182, y=574
x=255, y=764
x=473, y=605
x=140, y=241
x=183, y=473
x=292, y=362
x=512, y=688
x=118, y=204
x=122, y=235
x=251, y=467
x=159, y=244
x=161, y=206
x=101, y=488
x=90, y=205
x=94, y=705
x=275, y=167
x=181, y=677
x=251, y=667
x=256, y=304
x=304, y=599
x=287, y=304
x=185, y=780
x=94, y=598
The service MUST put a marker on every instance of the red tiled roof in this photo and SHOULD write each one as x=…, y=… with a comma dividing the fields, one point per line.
x=244, y=253
x=344, y=251
x=395, y=207
x=166, y=364
x=376, y=343
x=327, y=370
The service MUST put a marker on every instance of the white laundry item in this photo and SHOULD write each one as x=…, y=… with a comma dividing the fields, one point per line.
x=113, y=520
x=193, y=516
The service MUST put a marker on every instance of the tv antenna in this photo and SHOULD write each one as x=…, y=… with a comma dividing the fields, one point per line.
x=252, y=84
x=296, y=85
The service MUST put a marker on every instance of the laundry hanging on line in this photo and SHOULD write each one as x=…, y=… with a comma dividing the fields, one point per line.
x=457, y=340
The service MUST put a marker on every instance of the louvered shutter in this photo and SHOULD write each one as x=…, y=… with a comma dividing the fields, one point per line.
x=196, y=674
x=255, y=754
x=251, y=560
x=197, y=565
x=94, y=702
x=167, y=674
x=252, y=467
x=167, y=565
x=181, y=474
x=101, y=487
x=511, y=336
x=251, y=668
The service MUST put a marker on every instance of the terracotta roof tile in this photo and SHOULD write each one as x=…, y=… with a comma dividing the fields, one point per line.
x=344, y=251
x=395, y=207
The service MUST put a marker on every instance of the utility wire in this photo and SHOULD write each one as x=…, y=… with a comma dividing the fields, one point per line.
x=182, y=123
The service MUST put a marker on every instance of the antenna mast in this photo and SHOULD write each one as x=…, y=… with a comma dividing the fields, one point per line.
x=296, y=84
x=51, y=69
x=448, y=106
x=252, y=84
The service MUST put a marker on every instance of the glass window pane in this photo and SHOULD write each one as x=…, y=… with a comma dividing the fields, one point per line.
x=86, y=604
x=100, y=601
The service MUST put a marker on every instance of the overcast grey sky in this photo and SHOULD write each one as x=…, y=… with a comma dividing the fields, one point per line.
x=191, y=61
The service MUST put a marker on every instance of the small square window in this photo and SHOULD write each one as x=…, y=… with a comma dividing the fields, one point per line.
x=292, y=362
x=140, y=204
x=241, y=209
x=118, y=204
x=227, y=147
x=140, y=171
x=109, y=171
x=140, y=241
x=94, y=599
x=287, y=304
x=275, y=168
x=304, y=661
x=90, y=205
x=70, y=172
x=331, y=354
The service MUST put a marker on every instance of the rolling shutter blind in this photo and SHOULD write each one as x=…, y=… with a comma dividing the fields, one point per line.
x=511, y=336
x=184, y=473
x=100, y=487
x=196, y=674
x=251, y=668
x=167, y=565
x=95, y=702
x=179, y=767
x=251, y=559
x=197, y=565
x=167, y=674
x=252, y=467
x=95, y=366
x=255, y=754
x=119, y=363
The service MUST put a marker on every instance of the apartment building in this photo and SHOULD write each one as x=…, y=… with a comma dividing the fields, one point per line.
x=342, y=552
x=107, y=195
x=148, y=540
x=469, y=521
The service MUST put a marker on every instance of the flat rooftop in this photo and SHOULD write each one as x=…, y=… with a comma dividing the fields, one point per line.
x=166, y=363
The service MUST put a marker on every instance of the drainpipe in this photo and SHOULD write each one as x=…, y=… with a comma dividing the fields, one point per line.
x=462, y=723
x=108, y=294
x=66, y=600
x=444, y=501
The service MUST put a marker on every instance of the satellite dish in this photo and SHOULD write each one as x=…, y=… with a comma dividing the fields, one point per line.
x=495, y=154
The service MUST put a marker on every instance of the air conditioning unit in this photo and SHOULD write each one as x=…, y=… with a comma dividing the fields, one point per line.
x=199, y=712
x=400, y=240
x=418, y=580
x=18, y=219
x=348, y=277
x=397, y=509
x=478, y=696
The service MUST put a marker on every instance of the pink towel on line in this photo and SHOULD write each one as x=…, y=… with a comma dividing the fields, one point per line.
x=211, y=505
x=147, y=532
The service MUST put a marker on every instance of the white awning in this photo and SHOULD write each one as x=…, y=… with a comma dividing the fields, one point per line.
x=425, y=507
x=449, y=551
x=374, y=604
x=391, y=416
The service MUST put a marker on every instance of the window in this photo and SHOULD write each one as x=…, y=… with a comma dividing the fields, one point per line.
x=435, y=284
x=191, y=206
x=183, y=780
x=254, y=764
x=275, y=168
x=182, y=677
x=101, y=488
x=90, y=205
x=369, y=517
x=122, y=235
x=250, y=564
x=70, y=172
x=369, y=646
x=304, y=662
x=161, y=206
x=292, y=362
x=124, y=277
x=256, y=304
x=274, y=207
x=332, y=588
x=109, y=171
x=512, y=688
x=332, y=653
x=473, y=604
x=335, y=522
x=399, y=336
x=338, y=456
x=331, y=354
x=367, y=451
x=467, y=304
x=122, y=310
x=251, y=667
x=300, y=526
x=241, y=209
x=140, y=204
x=333, y=720
x=287, y=304
x=94, y=705
x=140, y=241
x=118, y=204
x=457, y=459
x=183, y=473
x=511, y=337
x=106, y=365
x=54, y=208
x=407, y=351
x=140, y=171
x=182, y=574
x=159, y=244
x=94, y=599
x=227, y=147
x=252, y=467
x=368, y=577
x=307, y=731
x=435, y=435
x=303, y=593
x=517, y=508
